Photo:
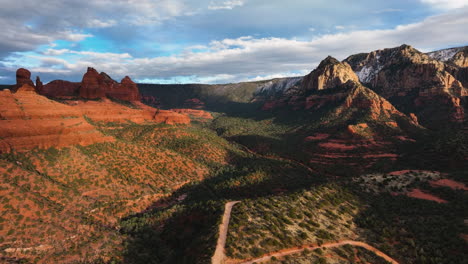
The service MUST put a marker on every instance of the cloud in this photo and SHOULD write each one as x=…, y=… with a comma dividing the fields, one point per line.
x=26, y=26
x=387, y=10
x=96, y=23
x=250, y=58
x=226, y=4
x=446, y=4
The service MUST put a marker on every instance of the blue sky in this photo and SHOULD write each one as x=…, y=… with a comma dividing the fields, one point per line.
x=213, y=41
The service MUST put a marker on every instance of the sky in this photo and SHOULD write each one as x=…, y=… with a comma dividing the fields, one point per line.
x=213, y=41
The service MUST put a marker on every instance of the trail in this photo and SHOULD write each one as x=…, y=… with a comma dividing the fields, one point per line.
x=219, y=256
x=295, y=250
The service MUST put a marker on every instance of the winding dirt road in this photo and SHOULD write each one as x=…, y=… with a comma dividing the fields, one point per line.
x=295, y=250
x=219, y=256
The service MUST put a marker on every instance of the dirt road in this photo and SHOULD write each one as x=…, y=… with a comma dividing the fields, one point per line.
x=219, y=255
x=295, y=250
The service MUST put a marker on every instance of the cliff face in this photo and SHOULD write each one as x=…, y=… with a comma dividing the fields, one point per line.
x=329, y=74
x=94, y=85
x=408, y=77
x=29, y=120
x=23, y=76
x=334, y=85
x=61, y=89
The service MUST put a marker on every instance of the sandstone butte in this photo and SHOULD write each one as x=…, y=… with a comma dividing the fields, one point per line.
x=94, y=85
x=332, y=74
x=29, y=120
x=99, y=85
x=23, y=76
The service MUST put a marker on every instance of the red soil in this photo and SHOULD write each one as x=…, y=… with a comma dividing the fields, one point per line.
x=290, y=251
x=417, y=193
x=337, y=146
x=317, y=136
x=194, y=113
x=401, y=172
x=449, y=183
x=403, y=138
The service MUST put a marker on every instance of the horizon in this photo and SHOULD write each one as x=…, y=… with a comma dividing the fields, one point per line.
x=226, y=83
x=214, y=42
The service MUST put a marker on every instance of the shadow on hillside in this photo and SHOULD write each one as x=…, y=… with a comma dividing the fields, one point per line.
x=186, y=232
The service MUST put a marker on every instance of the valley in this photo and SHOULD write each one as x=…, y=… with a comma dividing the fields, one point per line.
x=360, y=161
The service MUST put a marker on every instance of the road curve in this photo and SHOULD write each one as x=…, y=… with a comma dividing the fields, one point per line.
x=295, y=250
x=219, y=256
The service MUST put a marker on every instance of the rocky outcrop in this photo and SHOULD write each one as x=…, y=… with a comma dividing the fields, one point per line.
x=170, y=117
x=329, y=74
x=92, y=85
x=460, y=58
x=127, y=90
x=26, y=88
x=194, y=113
x=39, y=84
x=278, y=86
x=454, y=56
x=375, y=106
x=29, y=120
x=23, y=76
x=99, y=85
x=400, y=71
x=408, y=77
x=61, y=89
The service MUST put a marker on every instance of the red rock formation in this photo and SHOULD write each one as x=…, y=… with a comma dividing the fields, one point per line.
x=194, y=103
x=329, y=74
x=406, y=72
x=39, y=85
x=26, y=88
x=29, y=120
x=92, y=85
x=170, y=117
x=194, y=113
x=414, y=118
x=61, y=89
x=460, y=59
x=23, y=76
x=127, y=90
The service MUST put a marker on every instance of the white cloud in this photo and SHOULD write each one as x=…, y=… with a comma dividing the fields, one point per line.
x=96, y=23
x=249, y=58
x=226, y=4
x=76, y=37
x=446, y=4
x=339, y=27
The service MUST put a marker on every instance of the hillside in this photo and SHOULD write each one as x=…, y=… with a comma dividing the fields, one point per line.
x=344, y=165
